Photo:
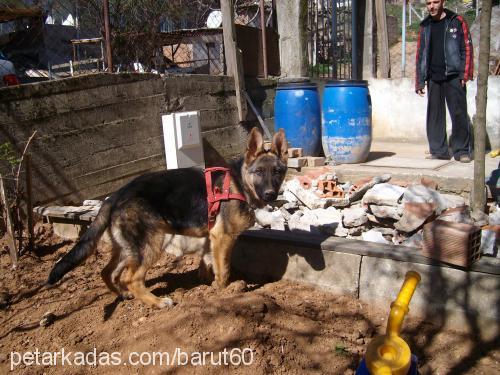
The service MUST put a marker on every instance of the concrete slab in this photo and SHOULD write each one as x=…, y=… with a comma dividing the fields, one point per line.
x=392, y=161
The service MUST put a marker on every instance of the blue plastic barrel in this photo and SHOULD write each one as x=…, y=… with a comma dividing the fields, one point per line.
x=347, y=121
x=298, y=112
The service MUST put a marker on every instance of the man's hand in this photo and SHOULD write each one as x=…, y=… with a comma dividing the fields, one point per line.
x=421, y=92
x=462, y=82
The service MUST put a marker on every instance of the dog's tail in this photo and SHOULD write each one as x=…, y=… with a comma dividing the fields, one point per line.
x=85, y=246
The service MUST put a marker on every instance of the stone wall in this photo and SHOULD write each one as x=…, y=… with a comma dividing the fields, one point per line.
x=94, y=133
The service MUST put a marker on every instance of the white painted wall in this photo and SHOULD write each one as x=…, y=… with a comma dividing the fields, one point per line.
x=398, y=113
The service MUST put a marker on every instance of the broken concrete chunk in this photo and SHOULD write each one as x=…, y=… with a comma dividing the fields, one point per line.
x=480, y=218
x=393, y=212
x=263, y=217
x=494, y=217
x=417, y=240
x=296, y=162
x=354, y=217
x=308, y=197
x=384, y=194
x=291, y=205
x=278, y=224
x=297, y=223
x=374, y=236
x=92, y=202
x=457, y=215
x=285, y=213
x=290, y=197
x=337, y=202
x=340, y=231
x=315, y=161
x=414, y=216
x=360, y=190
x=329, y=221
x=489, y=243
x=421, y=194
x=453, y=201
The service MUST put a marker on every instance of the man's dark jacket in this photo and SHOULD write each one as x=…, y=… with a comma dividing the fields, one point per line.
x=458, y=52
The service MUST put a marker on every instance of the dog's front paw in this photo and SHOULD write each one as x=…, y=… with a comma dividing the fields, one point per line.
x=165, y=302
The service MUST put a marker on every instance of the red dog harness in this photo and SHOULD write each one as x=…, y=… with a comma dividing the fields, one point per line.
x=215, y=195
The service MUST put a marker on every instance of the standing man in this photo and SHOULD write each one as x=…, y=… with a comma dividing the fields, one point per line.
x=444, y=63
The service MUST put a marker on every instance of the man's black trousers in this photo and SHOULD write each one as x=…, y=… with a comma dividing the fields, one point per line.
x=455, y=96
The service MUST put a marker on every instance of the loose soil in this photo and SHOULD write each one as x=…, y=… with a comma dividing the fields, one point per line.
x=290, y=328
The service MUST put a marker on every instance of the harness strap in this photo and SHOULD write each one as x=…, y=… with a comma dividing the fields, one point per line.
x=215, y=195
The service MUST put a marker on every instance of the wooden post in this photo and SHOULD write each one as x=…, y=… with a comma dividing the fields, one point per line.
x=10, y=230
x=233, y=56
x=107, y=34
x=478, y=193
x=383, y=39
x=263, y=33
x=29, y=203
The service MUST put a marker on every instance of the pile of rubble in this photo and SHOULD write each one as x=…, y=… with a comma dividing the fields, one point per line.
x=375, y=209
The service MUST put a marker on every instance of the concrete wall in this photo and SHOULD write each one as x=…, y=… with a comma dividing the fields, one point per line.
x=399, y=113
x=292, y=24
x=94, y=133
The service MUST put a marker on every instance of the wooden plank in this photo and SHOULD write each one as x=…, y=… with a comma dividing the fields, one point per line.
x=10, y=229
x=84, y=213
x=383, y=39
x=233, y=56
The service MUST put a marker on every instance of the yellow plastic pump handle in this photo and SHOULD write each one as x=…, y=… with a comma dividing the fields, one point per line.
x=390, y=354
x=399, y=308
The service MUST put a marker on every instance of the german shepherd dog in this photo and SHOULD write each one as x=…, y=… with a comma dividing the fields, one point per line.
x=144, y=215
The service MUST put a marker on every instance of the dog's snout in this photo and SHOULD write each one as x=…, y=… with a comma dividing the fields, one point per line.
x=270, y=195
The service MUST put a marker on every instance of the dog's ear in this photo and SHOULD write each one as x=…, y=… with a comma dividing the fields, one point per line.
x=280, y=145
x=255, y=145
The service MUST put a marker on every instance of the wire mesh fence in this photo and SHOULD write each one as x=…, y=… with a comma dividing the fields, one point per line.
x=47, y=39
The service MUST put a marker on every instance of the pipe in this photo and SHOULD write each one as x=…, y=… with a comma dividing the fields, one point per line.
x=334, y=39
x=354, y=34
x=403, y=38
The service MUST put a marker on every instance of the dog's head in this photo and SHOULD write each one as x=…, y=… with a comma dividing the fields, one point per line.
x=264, y=170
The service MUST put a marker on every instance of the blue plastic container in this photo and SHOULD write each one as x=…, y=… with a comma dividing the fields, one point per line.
x=347, y=121
x=363, y=370
x=298, y=112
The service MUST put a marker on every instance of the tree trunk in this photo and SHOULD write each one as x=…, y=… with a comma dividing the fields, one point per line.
x=478, y=192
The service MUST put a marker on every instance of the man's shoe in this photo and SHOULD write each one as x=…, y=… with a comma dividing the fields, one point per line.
x=464, y=159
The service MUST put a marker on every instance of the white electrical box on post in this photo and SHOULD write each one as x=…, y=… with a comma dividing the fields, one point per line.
x=183, y=142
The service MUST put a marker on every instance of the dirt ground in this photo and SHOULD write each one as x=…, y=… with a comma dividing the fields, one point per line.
x=282, y=327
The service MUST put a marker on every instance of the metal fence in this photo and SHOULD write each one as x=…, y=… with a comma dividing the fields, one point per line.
x=48, y=39
x=330, y=38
